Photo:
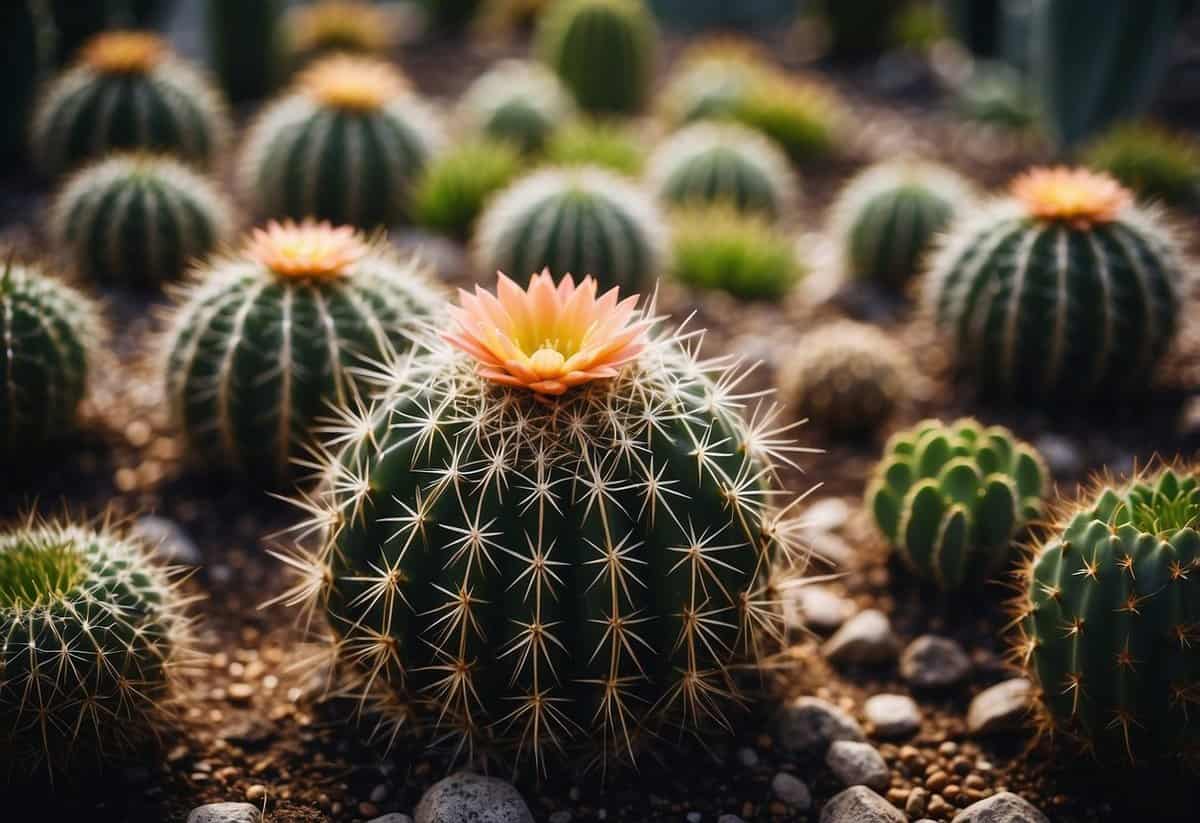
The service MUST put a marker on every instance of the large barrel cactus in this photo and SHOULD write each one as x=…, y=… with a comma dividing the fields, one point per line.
x=1064, y=291
x=519, y=101
x=554, y=532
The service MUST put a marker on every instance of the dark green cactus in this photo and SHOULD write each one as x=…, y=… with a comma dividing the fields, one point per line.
x=950, y=499
x=245, y=46
x=23, y=66
x=1110, y=619
x=519, y=101
x=138, y=220
x=861, y=28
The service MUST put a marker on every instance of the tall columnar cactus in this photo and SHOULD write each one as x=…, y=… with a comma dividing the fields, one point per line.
x=93, y=635
x=950, y=499
x=49, y=334
x=1109, y=620
x=603, y=50
x=263, y=341
x=245, y=46
x=128, y=91
x=326, y=27
x=554, y=533
x=138, y=220
x=23, y=66
x=516, y=100
x=1066, y=290
x=581, y=221
x=345, y=145
x=886, y=218
x=709, y=162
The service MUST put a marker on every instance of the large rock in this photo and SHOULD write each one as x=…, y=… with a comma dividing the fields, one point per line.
x=892, y=715
x=860, y=805
x=857, y=764
x=865, y=638
x=225, y=813
x=1005, y=807
x=792, y=790
x=1001, y=707
x=807, y=726
x=470, y=797
x=932, y=662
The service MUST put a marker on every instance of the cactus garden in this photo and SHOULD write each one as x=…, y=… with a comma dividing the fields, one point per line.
x=640, y=411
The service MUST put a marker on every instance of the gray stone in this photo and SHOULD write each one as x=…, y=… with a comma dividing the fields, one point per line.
x=807, y=726
x=1005, y=807
x=857, y=764
x=1000, y=708
x=730, y=818
x=826, y=515
x=865, y=638
x=859, y=804
x=168, y=539
x=467, y=796
x=392, y=817
x=892, y=715
x=1063, y=457
x=831, y=548
x=225, y=813
x=821, y=609
x=693, y=817
x=792, y=790
x=932, y=662
x=561, y=816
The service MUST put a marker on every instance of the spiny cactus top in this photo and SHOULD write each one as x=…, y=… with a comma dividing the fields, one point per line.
x=344, y=145
x=263, y=340
x=952, y=498
x=517, y=100
x=1110, y=621
x=326, y=27
x=712, y=78
x=92, y=637
x=554, y=532
x=138, y=219
x=128, y=91
x=49, y=335
x=1065, y=290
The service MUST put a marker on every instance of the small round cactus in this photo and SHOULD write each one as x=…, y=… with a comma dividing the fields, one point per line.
x=49, y=334
x=713, y=77
x=710, y=162
x=603, y=50
x=803, y=117
x=138, y=220
x=345, y=145
x=1155, y=163
x=519, y=101
x=457, y=184
x=262, y=341
x=316, y=30
x=583, y=221
x=608, y=144
x=1065, y=291
x=950, y=499
x=887, y=217
x=716, y=247
x=128, y=91
x=1110, y=618
x=94, y=638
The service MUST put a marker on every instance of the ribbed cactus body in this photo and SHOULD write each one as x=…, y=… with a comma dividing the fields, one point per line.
x=950, y=499
x=1110, y=616
x=518, y=101
x=138, y=220
x=47, y=335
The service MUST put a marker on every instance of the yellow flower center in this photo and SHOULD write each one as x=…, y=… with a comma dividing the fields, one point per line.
x=354, y=83
x=124, y=52
x=308, y=249
x=547, y=361
x=1076, y=196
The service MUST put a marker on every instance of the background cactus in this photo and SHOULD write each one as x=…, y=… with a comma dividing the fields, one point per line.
x=860, y=28
x=603, y=50
x=716, y=247
x=138, y=220
x=245, y=46
x=327, y=27
x=128, y=91
x=712, y=77
x=1109, y=616
x=263, y=340
x=454, y=188
x=24, y=61
x=950, y=499
x=1065, y=290
x=802, y=117
x=608, y=144
x=578, y=220
x=49, y=334
x=1155, y=163
x=516, y=100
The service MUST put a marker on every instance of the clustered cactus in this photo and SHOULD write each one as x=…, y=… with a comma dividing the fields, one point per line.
x=746, y=255
x=950, y=499
x=138, y=220
x=457, y=184
x=519, y=101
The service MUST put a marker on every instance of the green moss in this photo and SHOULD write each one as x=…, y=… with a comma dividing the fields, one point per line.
x=744, y=255
x=454, y=189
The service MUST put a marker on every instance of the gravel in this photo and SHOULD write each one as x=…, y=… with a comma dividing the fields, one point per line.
x=858, y=764
x=225, y=813
x=1002, y=707
x=394, y=817
x=866, y=638
x=1005, y=807
x=892, y=715
x=821, y=609
x=807, y=726
x=860, y=805
x=932, y=662
x=466, y=796
x=792, y=790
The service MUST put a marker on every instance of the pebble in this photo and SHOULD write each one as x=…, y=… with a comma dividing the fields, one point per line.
x=224, y=813
x=1062, y=456
x=730, y=818
x=256, y=792
x=1005, y=807
x=467, y=796
x=792, y=790
x=168, y=539
x=748, y=757
x=561, y=816
x=831, y=548
x=932, y=662
x=693, y=817
x=821, y=609
x=826, y=515
x=1000, y=708
x=857, y=764
x=892, y=715
x=394, y=817
x=865, y=638
x=807, y=726
x=860, y=805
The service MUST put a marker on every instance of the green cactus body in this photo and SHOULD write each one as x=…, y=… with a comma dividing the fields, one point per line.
x=92, y=635
x=519, y=101
x=138, y=220
x=608, y=144
x=951, y=499
x=582, y=221
x=48, y=337
x=603, y=50
x=746, y=255
x=1109, y=619
x=259, y=345
x=712, y=80
x=128, y=92
x=245, y=46
x=456, y=186
x=1155, y=163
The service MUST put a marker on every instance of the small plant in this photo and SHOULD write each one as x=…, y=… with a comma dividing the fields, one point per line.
x=263, y=340
x=716, y=247
x=312, y=154
x=518, y=101
x=1065, y=290
x=603, y=50
x=49, y=336
x=801, y=116
x=886, y=218
x=708, y=162
x=712, y=78
x=95, y=636
x=1108, y=618
x=995, y=94
x=128, y=91
x=456, y=186
x=601, y=143
x=326, y=27
x=950, y=499
x=1155, y=163
x=582, y=221
x=138, y=220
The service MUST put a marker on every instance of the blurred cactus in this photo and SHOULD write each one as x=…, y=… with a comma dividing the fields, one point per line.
x=860, y=28
x=752, y=15
x=1155, y=163
x=712, y=77
x=976, y=24
x=716, y=247
x=455, y=186
x=327, y=27
x=24, y=61
x=603, y=143
x=74, y=22
x=245, y=46
x=516, y=100
x=996, y=94
x=804, y=118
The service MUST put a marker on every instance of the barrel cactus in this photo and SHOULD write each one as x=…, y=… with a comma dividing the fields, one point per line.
x=519, y=101
x=138, y=220
x=610, y=144
x=49, y=335
x=712, y=78
x=745, y=255
x=583, y=221
x=554, y=534
x=950, y=499
x=345, y=145
x=1066, y=290
x=263, y=340
x=128, y=91
x=1109, y=616
x=457, y=184
x=326, y=27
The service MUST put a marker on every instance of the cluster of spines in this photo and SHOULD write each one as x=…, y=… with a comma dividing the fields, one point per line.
x=519, y=101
